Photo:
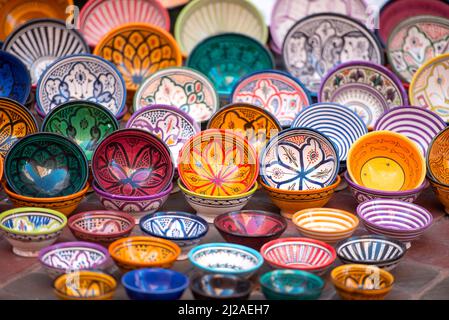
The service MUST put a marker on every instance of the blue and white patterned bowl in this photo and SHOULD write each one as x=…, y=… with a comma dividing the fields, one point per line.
x=15, y=80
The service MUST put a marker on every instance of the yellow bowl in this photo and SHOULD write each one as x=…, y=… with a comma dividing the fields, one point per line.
x=385, y=160
x=85, y=285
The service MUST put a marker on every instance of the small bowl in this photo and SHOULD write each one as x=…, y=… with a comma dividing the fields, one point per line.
x=15, y=81
x=361, y=282
x=85, y=285
x=143, y=252
x=101, y=226
x=226, y=258
x=380, y=251
x=291, y=285
x=154, y=284
x=251, y=228
x=299, y=254
x=325, y=224
x=29, y=230
x=442, y=193
x=184, y=229
x=220, y=287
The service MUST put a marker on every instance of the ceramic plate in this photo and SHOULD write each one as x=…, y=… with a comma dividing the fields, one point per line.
x=277, y=92
x=139, y=50
x=226, y=58
x=299, y=159
x=181, y=87
x=254, y=123
x=170, y=124
x=15, y=81
x=218, y=163
x=438, y=159
x=85, y=123
x=81, y=77
x=418, y=124
x=339, y=123
x=40, y=42
x=201, y=19
x=132, y=162
x=368, y=89
x=318, y=43
x=97, y=18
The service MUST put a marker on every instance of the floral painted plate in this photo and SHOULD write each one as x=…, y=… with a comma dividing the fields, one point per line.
x=299, y=159
x=181, y=87
x=170, y=124
x=218, y=163
x=277, y=92
x=228, y=57
x=367, y=88
x=437, y=158
x=139, y=50
x=15, y=81
x=81, y=77
x=85, y=123
x=132, y=162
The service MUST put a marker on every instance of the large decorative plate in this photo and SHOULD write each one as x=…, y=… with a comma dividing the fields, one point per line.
x=201, y=19
x=218, y=163
x=226, y=58
x=170, y=124
x=368, y=89
x=97, y=18
x=81, y=77
x=40, y=42
x=44, y=165
x=430, y=86
x=250, y=121
x=318, y=43
x=16, y=122
x=277, y=92
x=417, y=124
x=139, y=50
x=437, y=159
x=85, y=123
x=299, y=159
x=181, y=87
x=339, y=123
x=132, y=162
x=15, y=81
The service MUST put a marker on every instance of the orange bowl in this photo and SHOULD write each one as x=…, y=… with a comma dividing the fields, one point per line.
x=85, y=285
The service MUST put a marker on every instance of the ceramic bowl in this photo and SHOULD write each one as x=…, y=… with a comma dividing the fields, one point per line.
x=325, y=224
x=209, y=207
x=299, y=254
x=154, y=284
x=67, y=257
x=442, y=193
x=15, y=79
x=103, y=227
x=143, y=252
x=291, y=285
x=46, y=165
x=437, y=160
x=290, y=202
x=173, y=4
x=85, y=285
x=387, y=161
x=16, y=122
x=226, y=258
x=361, y=282
x=380, y=251
x=399, y=220
x=30, y=229
x=251, y=228
x=136, y=206
x=85, y=123
x=226, y=58
x=220, y=287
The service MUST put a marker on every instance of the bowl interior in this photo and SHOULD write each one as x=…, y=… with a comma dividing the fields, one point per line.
x=437, y=158
x=143, y=251
x=15, y=81
x=85, y=284
x=325, y=220
x=74, y=257
x=154, y=280
x=32, y=222
x=221, y=286
x=101, y=223
x=248, y=223
x=292, y=282
x=362, y=278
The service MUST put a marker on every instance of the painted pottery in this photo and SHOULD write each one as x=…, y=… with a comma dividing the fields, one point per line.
x=172, y=4
x=85, y=285
x=220, y=287
x=15, y=80
x=442, y=193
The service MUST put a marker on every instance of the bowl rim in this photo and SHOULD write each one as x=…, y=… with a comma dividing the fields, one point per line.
x=155, y=196
x=312, y=211
x=111, y=213
x=14, y=195
x=224, y=198
x=128, y=286
x=198, y=277
x=437, y=184
x=264, y=280
x=431, y=144
x=303, y=192
x=104, y=277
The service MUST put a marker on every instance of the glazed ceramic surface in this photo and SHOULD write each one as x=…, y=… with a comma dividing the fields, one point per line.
x=204, y=18
x=138, y=50
x=299, y=159
x=181, y=87
x=228, y=57
x=220, y=287
x=339, y=123
x=40, y=42
x=94, y=25
x=81, y=77
x=172, y=4
x=442, y=193
x=15, y=80
x=85, y=285
x=132, y=162
x=172, y=125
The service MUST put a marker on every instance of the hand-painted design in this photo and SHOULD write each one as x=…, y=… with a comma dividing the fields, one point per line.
x=438, y=159
x=71, y=258
x=85, y=285
x=318, y=43
x=15, y=81
x=33, y=222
